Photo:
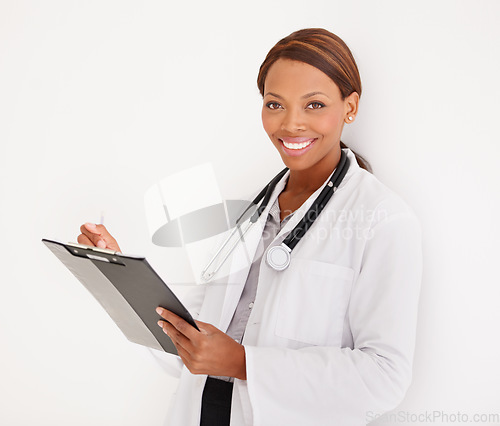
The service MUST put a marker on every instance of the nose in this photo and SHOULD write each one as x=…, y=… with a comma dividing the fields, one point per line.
x=293, y=121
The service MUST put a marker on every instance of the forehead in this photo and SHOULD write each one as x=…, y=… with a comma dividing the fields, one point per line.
x=289, y=76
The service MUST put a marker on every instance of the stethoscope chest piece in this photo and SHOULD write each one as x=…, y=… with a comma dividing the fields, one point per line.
x=278, y=257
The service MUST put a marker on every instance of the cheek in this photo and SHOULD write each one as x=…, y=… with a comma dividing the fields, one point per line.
x=268, y=122
x=329, y=124
x=265, y=122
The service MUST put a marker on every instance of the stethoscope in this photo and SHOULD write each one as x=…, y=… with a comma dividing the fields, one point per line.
x=277, y=257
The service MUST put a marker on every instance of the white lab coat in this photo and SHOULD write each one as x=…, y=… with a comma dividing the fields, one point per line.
x=330, y=340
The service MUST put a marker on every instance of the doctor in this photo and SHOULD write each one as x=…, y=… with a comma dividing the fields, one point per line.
x=329, y=340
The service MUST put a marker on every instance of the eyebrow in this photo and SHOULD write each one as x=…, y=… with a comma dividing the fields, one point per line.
x=307, y=95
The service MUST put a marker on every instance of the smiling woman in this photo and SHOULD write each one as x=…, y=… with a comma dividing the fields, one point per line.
x=325, y=52
x=328, y=337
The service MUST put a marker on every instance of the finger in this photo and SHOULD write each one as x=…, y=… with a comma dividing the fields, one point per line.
x=204, y=327
x=183, y=353
x=185, y=356
x=179, y=340
x=91, y=227
x=99, y=236
x=193, y=366
x=92, y=234
x=178, y=323
x=108, y=238
x=83, y=239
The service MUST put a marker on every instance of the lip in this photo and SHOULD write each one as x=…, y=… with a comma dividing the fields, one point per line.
x=296, y=152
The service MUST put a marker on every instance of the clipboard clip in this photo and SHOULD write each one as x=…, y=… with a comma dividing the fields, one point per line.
x=97, y=249
x=82, y=250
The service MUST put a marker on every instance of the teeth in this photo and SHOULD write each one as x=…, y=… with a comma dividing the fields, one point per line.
x=296, y=145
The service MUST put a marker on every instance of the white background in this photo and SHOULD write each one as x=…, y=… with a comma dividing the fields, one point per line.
x=101, y=99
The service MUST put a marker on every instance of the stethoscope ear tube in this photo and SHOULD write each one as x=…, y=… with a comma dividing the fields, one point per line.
x=237, y=234
x=221, y=256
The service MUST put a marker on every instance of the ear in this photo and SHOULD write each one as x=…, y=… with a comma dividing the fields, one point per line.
x=351, y=103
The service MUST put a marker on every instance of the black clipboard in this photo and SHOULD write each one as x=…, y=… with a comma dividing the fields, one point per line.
x=127, y=287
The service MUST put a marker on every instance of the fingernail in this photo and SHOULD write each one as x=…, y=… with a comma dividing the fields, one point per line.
x=101, y=244
x=160, y=323
x=90, y=225
x=159, y=311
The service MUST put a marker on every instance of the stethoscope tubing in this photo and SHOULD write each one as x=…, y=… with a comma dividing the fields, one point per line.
x=278, y=257
x=264, y=194
x=319, y=204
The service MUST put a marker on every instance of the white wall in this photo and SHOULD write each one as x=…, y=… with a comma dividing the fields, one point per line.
x=101, y=99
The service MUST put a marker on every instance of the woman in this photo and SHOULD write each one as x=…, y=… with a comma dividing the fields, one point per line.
x=330, y=339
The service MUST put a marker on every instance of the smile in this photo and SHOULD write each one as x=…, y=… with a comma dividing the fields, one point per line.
x=298, y=145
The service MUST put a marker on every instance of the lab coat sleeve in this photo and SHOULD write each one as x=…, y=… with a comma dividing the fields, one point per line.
x=349, y=386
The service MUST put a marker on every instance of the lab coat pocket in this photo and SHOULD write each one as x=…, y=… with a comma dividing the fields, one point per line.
x=314, y=297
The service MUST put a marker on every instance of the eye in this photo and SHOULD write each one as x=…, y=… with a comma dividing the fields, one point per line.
x=273, y=105
x=315, y=105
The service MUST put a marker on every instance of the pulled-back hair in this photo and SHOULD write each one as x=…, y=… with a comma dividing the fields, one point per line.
x=324, y=51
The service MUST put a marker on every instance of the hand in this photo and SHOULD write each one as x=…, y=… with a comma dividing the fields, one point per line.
x=97, y=236
x=208, y=351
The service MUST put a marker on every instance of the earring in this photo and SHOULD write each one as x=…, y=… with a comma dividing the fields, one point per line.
x=350, y=118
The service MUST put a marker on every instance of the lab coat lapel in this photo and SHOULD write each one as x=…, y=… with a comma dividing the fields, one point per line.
x=242, y=260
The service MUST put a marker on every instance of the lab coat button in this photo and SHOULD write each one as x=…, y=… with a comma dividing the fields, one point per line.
x=250, y=305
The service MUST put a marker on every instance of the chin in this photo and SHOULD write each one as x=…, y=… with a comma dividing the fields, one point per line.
x=296, y=164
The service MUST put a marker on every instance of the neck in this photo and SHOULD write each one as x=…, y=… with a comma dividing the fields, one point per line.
x=309, y=180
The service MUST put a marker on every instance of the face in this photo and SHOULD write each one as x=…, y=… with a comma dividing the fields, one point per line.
x=304, y=114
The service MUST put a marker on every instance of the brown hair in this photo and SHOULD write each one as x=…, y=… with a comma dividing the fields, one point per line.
x=324, y=51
